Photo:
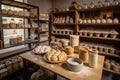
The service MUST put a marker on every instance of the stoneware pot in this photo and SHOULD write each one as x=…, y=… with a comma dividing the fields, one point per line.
x=74, y=64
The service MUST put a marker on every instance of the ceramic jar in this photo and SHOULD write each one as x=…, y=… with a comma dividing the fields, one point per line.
x=65, y=42
x=93, y=58
x=74, y=40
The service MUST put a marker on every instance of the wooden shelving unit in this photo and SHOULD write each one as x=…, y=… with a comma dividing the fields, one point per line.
x=64, y=24
x=60, y=34
x=109, y=54
x=16, y=16
x=101, y=38
x=29, y=19
x=97, y=24
x=45, y=33
x=109, y=70
x=22, y=43
x=89, y=14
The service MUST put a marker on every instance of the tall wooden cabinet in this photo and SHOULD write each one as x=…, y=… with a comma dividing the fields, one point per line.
x=98, y=28
x=30, y=30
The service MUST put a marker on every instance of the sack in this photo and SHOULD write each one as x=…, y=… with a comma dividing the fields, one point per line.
x=42, y=74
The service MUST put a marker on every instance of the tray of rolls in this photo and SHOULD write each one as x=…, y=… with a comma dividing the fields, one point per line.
x=55, y=56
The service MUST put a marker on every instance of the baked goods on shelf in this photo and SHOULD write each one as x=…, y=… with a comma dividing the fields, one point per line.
x=112, y=65
x=4, y=11
x=55, y=56
x=41, y=49
x=17, y=40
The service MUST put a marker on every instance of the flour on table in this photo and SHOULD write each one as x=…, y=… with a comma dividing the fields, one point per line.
x=85, y=72
x=51, y=66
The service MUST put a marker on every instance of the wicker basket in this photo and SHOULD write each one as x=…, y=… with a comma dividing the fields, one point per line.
x=27, y=14
x=15, y=12
x=12, y=25
x=21, y=13
x=10, y=12
x=4, y=11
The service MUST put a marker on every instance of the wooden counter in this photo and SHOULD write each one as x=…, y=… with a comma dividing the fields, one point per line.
x=86, y=73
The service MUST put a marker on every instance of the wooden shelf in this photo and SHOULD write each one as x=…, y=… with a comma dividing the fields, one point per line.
x=22, y=43
x=16, y=16
x=43, y=31
x=41, y=21
x=100, y=8
x=20, y=28
x=109, y=54
x=18, y=4
x=109, y=70
x=101, y=38
x=30, y=41
x=44, y=41
x=64, y=24
x=107, y=24
x=16, y=28
x=64, y=12
x=61, y=34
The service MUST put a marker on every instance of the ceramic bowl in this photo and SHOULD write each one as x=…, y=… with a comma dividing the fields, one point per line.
x=74, y=64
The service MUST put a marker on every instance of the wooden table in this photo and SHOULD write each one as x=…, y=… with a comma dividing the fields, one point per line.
x=86, y=73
